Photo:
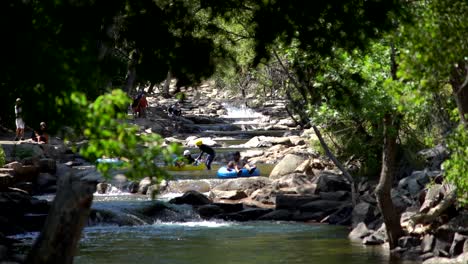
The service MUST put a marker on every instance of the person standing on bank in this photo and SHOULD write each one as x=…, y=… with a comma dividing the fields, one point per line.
x=19, y=120
x=205, y=149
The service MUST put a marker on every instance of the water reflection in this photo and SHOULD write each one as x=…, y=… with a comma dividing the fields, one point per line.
x=225, y=242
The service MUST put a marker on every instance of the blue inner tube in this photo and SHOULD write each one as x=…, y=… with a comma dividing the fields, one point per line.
x=224, y=173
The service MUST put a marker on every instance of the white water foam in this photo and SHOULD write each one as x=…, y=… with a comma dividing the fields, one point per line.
x=209, y=224
x=240, y=112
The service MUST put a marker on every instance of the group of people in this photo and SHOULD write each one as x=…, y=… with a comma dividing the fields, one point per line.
x=236, y=163
x=40, y=135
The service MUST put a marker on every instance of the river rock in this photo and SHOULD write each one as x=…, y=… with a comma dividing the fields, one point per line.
x=247, y=214
x=102, y=187
x=6, y=180
x=342, y=216
x=143, y=185
x=294, y=201
x=462, y=259
x=248, y=185
x=182, y=186
x=209, y=210
x=359, y=232
x=48, y=165
x=328, y=181
x=27, y=150
x=427, y=243
x=286, y=166
x=335, y=196
x=44, y=180
x=457, y=245
x=192, y=198
x=277, y=215
x=363, y=212
x=320, y=206
x=265, y=196
x=228, y=195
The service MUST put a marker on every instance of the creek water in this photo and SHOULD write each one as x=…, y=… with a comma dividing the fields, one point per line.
x=224, y=242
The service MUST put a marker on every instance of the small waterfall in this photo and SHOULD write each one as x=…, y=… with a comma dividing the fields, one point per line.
x=244, y=117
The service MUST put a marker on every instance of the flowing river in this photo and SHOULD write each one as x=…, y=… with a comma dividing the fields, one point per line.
x=185, y=238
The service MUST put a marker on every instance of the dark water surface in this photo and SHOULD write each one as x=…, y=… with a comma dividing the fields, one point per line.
x=225, y=242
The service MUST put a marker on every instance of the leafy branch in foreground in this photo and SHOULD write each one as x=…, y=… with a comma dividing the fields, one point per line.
x=456, y=166
x=109, y=135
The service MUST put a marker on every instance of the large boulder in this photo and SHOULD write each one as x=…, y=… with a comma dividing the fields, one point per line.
x=247, y=185
x=417, y=181
x=182, y=186
x=192, y=198
x=143, y=185
x=293, y=202
x=462, y=259
x=328, y=181
x=286, y=166
x=295, y=182
x=27, y=150
x=359, y=232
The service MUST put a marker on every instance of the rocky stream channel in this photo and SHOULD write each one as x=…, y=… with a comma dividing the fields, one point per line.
x=298, y=211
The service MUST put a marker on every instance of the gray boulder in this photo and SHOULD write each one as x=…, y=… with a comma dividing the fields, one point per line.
x=286, y=166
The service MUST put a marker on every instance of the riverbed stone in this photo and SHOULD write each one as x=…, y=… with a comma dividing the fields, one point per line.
x=294, y=201
x=143, y=185
x=209, y=210
x=457, y=244
x=277, y=215
x=462, y=259
x=264, y=196
x=427, y=243
x=328, y=181
x=359, y=232
x=320, y=206
x=340, y=217
x=363, y=212
x=229, y=195
x=335, y=196
x=182, y=186
x=247, y=185
x=286, y=166
x=192, y=198
x=408, y=241
x=47, y=165
x=44, y=180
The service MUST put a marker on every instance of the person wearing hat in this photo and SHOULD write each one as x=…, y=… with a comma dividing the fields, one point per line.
x=205, y=149
x=185, y=159
x=41, y=135
x=19, y=120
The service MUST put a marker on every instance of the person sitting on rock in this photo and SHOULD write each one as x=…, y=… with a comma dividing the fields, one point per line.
x=174, y=110
x=205, y=149
x=237, y=164
x=41, y=136
x=186, y=159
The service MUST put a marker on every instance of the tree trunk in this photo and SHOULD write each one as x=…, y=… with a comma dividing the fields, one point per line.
x=67, y=216
x=151, y=88
x=131, y=72
x=165, y=90
x=383, y=189
x=338, y=164
x=459, y=82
